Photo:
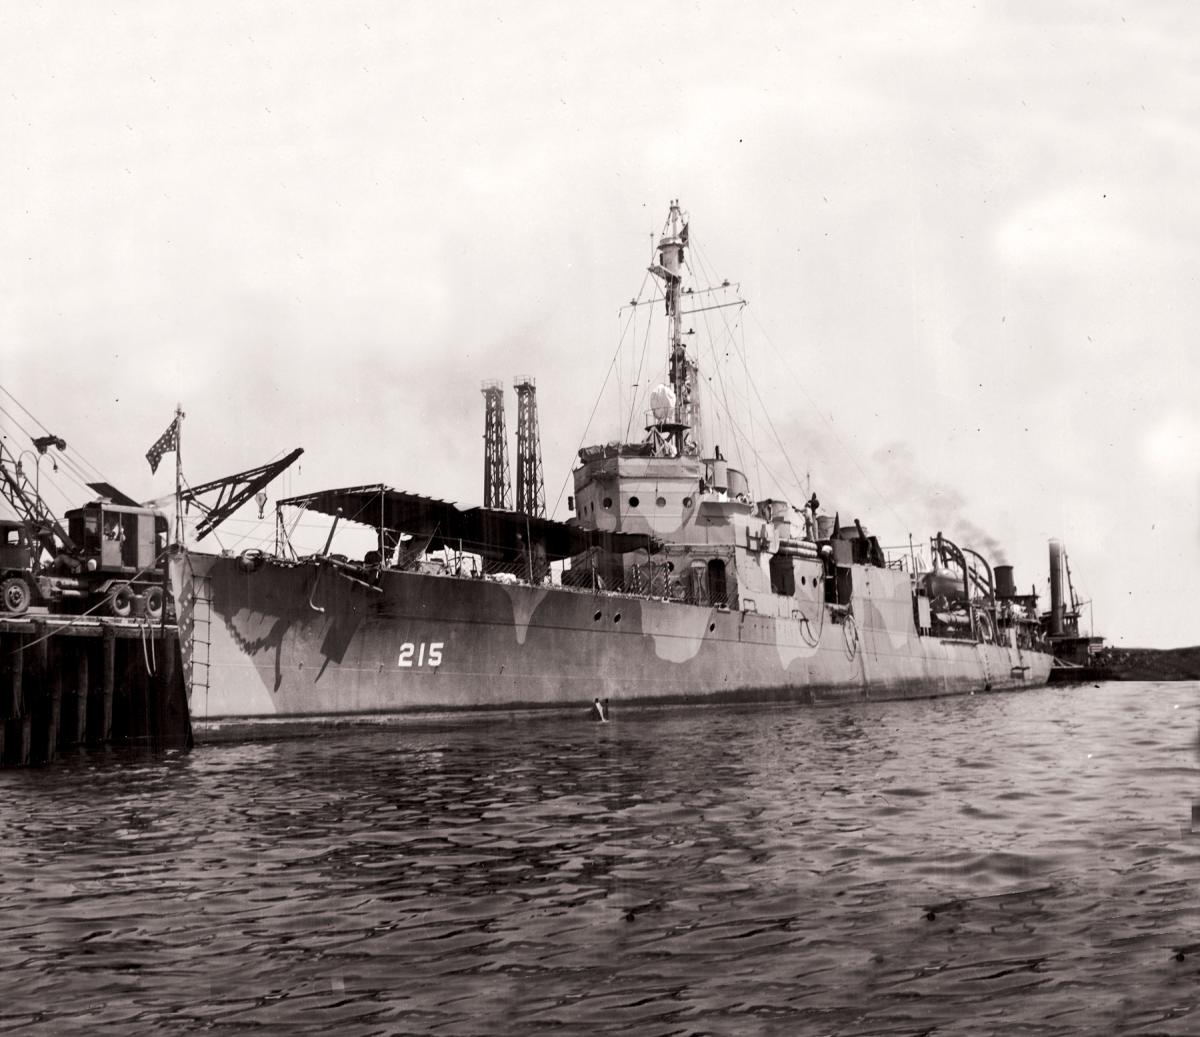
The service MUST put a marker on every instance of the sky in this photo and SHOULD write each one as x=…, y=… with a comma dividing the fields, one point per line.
x=968, y=235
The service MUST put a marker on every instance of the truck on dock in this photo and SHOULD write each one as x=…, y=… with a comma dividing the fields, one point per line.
x=108, y=558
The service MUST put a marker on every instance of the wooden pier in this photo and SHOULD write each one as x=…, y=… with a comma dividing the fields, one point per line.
x=68, y=682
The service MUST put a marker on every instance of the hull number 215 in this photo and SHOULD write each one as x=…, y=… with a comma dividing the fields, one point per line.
x=421, y=654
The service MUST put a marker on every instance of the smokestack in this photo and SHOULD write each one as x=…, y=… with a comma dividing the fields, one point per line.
x=1056, y=596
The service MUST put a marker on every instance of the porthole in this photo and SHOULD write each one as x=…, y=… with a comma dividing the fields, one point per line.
x=607, y=503
x=670, y=567
x=661, y=502
x=687, y=502
x=634, y=502
x=616, y=617
x=596, y=616
x=803, y=581
x=712, y=627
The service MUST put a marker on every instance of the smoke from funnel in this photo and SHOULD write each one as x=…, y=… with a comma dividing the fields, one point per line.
x=937, y=506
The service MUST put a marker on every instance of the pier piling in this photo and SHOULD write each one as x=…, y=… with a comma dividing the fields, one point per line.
x=56, y=683
x=81, y=696
x=110, y=673
x=48, y=705
x=16, y=706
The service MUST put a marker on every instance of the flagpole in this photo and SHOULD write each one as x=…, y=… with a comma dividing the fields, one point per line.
x=179, y=473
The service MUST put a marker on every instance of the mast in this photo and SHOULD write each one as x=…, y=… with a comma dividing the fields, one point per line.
x=685, y=429
x=179, y=473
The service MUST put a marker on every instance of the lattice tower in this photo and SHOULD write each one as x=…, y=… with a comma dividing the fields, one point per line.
x=495, y=448
x=531, y=492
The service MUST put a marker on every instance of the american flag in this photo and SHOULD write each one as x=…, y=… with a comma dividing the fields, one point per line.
x=165, y=443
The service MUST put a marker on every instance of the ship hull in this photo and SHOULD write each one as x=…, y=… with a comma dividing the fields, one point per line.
x=303, y=641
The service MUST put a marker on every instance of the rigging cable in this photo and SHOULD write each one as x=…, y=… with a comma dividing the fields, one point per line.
x=846, y=449
x=738, y=431
x=70, y=467
x=734, y=431
x=55, y=459
x=599, y=396
x=774, y=432
x=641, y=365
x=746, y=371
x=750, y=443
x=849, y=453
x=99, y=475
x=766, y=413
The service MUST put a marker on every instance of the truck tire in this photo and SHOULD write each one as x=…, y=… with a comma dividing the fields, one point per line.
x=15, y=596
x=154, y=604
x=120, y=600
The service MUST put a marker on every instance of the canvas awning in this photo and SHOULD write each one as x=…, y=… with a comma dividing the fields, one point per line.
x=490, y=532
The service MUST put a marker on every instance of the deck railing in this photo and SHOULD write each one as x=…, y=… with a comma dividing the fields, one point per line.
x=648, y=581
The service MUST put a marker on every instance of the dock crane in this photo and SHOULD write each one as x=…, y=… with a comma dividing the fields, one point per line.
x=108, y=553
x=111, y=551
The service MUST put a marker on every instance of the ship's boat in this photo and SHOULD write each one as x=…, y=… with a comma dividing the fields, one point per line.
x=669, y=583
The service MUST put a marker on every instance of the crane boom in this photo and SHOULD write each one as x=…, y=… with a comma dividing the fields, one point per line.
x=28, y=504
x=233, y=491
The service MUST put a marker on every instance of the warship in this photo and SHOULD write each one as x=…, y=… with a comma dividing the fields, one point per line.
x=669, y=583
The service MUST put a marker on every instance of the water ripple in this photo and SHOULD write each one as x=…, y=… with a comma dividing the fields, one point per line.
x=1002, y=863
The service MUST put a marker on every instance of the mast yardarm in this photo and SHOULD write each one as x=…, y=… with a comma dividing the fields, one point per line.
x=669, y=269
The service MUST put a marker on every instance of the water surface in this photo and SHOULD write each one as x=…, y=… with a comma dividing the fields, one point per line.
x=1019, y=863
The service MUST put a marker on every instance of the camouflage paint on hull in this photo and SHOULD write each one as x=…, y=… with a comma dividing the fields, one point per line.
x=430, y=642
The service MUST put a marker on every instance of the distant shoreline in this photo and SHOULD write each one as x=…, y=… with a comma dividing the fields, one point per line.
x=1151, y=664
